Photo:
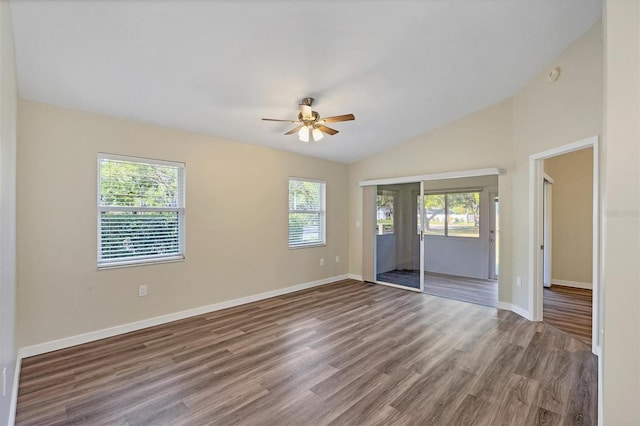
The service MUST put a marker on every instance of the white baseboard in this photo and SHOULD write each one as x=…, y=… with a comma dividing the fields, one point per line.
x=504, y=306
x=66, y=342
x=574, y=284
x=355, y=277
x=597, y=351
x=14, y=391
x=515, y=309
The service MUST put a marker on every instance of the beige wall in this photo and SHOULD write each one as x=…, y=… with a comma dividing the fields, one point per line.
x=572, y=215
x=8, y=106
x=236, y=223
x=548, y=115
x=620, y=360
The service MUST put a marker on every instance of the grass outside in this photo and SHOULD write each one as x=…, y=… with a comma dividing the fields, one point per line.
x=456, y=229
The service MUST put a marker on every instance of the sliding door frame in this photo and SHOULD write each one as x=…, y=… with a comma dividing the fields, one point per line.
x=369, y=188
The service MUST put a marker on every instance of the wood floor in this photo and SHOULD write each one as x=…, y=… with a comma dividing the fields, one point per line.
x=472, y=290
x=342, y=354
x=569, y=309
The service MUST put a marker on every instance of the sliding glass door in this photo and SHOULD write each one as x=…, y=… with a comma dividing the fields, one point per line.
x=419, y=227
x=399, y=235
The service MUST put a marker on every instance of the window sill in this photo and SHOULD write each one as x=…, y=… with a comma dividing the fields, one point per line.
x=307, y=246
x=128, y=264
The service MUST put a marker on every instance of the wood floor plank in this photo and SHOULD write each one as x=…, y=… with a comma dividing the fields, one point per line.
x=342, y=354
x=472, y=290
x=570, y=310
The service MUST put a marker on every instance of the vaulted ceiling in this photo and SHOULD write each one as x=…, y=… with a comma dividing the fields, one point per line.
x=217, y=67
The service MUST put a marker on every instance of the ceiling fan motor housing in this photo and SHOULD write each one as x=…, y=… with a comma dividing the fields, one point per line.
x=307, y=101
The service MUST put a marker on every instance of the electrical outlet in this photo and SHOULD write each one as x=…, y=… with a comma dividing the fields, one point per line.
x=337, y=259
x=322, y=261
x=519, y=281
x=142, y=290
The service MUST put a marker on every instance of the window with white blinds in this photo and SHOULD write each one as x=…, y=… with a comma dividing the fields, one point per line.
x=141, y=207
x=307, y=213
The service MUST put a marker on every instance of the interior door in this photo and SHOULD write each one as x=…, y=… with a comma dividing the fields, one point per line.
x=546, y=232
x=399, y=251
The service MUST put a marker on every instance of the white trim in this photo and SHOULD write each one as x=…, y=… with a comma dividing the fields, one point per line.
x=401, y=287
x=504, y=306
x=307, y=179
x=548, y=178
x=421, y=213
x=66, y=342
x=106, y=209
x=144, y=262
x=565, y=149
x=600, y=386
x=535, y=172
x=574, y=284
x=13, y=404
x=535, y=223
x=433, y=176
x=354, y=277
x=145, y=160
x=598, y=232
x=547, y=230
x=597, y=351
x=515, y=309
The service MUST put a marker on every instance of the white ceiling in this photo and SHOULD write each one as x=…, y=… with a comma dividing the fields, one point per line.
x=216, y=67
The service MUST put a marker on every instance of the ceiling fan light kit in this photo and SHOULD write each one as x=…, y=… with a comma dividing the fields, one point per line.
x=303, y=134
x=311, y=124
x=317, y=134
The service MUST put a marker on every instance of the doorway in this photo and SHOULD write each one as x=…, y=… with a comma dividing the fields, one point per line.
x=562, y=230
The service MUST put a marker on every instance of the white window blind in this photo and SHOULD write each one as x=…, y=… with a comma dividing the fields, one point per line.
x=307, y=216
x=141, y=207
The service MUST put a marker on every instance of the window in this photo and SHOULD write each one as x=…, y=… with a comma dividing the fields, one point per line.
x=384, y=212
x=141, y=210
x=306, y=213
x=455, y=214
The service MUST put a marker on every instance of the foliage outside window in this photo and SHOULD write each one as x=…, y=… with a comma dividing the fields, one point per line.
x=141, y=210
x=384, y=212
x=307, y=213
x=453, y=214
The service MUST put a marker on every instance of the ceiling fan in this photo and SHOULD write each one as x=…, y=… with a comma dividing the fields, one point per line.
x=310, y=123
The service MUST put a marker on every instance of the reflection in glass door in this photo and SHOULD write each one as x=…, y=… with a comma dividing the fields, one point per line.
x=399, y=259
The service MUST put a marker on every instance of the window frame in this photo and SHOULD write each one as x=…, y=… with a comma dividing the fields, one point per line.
x=322, y=211
x=393, y=194
x=446, y=194
x=180, y=209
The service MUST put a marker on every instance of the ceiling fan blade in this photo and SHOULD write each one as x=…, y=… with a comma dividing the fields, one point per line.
x=336, y=118
x=292, y=131
x=327, y=130
x=275, y=119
